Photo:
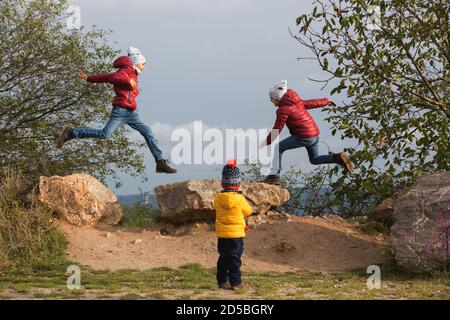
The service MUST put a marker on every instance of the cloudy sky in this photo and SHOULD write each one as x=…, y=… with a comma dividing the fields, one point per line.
x=211, y=61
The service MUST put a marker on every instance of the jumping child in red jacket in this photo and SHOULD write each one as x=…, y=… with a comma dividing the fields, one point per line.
x=292, y=111
x=125, y=82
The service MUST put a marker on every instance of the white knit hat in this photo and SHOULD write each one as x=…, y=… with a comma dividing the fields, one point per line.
x=279, y=90
x=136, y=56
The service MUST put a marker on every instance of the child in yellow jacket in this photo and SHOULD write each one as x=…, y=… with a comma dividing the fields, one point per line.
x=231, y=209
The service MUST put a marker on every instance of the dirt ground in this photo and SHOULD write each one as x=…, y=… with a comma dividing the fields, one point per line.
x=319, y=244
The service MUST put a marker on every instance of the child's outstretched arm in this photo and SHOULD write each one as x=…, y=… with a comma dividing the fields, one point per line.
x=277, y=127
x=316, y=103
x=119, y=78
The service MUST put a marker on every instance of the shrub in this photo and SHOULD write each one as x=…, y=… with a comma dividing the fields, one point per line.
x=140, y=216
x=27, y=231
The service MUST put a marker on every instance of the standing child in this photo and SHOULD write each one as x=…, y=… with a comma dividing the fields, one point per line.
x=125, y=82
x=231, y=209
x=293, y=112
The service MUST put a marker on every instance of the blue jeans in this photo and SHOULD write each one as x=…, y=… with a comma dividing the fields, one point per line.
x=293, y=142
x=118, y=117
x=229, y=263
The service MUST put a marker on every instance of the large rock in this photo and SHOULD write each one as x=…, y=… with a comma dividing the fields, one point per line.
x=193, y=200
x=421, y=231
x=81, y=199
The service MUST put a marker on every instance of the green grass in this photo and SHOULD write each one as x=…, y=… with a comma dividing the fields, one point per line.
x=27, y=232
x=140, y=216
x=195, y=282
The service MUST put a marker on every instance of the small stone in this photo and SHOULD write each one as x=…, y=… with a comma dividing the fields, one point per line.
x=380, y=237
x=108, y=235
x=137, y=241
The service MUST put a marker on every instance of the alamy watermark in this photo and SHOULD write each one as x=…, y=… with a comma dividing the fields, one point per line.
x=73, y=274
x=374, y=19
x=73, y=20
x=374, y=281
x=215, y=146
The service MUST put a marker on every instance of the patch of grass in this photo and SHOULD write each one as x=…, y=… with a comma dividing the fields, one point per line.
x=130, y=296
x=193, y=281
x=369, y=226
x=373, y=228
x=27, y=232
x=156, y=295
x=140, y=216
x=184, y=296
x=47, y=295
x=23, y=288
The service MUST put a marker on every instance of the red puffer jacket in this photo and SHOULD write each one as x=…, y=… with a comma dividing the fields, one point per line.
x=125, y=95
x=292, y=111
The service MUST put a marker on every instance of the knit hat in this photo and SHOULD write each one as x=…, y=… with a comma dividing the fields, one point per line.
x=279, y=90
x=231, y=176
x=136, y=56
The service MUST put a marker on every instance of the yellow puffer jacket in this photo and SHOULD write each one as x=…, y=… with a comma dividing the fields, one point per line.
x=231, y=210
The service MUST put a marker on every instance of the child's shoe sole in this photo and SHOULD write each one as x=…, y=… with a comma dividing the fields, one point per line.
x=346, y=161
x=63, y=137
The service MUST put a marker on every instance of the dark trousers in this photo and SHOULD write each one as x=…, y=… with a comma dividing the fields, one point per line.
x=229, y=263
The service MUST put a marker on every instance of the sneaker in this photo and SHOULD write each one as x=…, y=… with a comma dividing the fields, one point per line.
x=272, y=179
x=66, y=135
x=225, y=285
x=343, y=160
x=162, y=166
x=237, y=286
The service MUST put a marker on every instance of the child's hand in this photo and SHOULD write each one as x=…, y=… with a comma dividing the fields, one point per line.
x=133, y=84
x=83, y=76
x=263, y=145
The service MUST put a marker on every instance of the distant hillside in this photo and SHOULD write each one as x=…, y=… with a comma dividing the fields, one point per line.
x=137, y=198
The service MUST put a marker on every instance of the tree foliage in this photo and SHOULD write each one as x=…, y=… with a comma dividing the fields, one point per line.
x=40, y=92
x=310, y=192
x=394, y=70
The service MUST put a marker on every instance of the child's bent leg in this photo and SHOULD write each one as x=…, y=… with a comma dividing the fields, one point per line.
x=116, y=119
x=136, y=123
x=287, y=144
x=313, y=153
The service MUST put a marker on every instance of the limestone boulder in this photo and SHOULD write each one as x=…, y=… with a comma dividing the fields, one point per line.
x=421, y=231
x=80, y=199
x=194, y=199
